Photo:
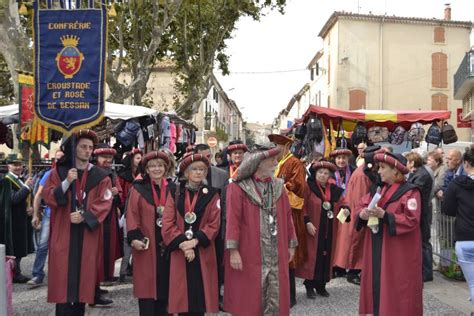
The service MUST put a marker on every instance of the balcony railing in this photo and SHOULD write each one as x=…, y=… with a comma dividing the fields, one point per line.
x=464, y=77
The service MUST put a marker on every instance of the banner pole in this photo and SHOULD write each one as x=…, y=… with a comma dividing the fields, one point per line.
x=73, y=186
x=3, y=282
x=30, y=174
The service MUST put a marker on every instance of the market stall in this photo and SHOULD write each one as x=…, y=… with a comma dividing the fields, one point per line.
x=371, y=118
x=132, y=126
x=323, y=129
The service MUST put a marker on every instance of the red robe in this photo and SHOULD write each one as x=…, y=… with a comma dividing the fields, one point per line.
x=313, y=213
x=396, y=252
x=293, y=173
x=66, y=262
x=350, y=243
x=125, y=180
x=243, y=291
x=185, y=283
x=150, y=269
x=111, y=235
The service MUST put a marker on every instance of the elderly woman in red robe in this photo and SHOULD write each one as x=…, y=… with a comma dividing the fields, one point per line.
x=323, y=202
x=391, y=281
x=191, y=222
x=341, y=157
x=144, y=223
x=260, y=239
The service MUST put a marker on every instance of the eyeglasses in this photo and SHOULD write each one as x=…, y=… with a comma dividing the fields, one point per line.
x=197, y=169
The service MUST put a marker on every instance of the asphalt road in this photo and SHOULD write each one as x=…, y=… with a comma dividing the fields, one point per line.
x=440, y=297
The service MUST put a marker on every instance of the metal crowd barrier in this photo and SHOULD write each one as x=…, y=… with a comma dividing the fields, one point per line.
x=442, y=239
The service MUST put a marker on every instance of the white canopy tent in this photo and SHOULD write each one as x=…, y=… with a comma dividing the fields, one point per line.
x=113, y=111
x=8, y=110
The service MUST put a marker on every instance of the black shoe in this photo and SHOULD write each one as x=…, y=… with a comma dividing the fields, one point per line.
x=101, y=301
x=338, y=273
x=427, y=279
x=20, y=279
x=322, y=292
x=353, y=278
x=103, y=291
x=221, y=307
x=310, y=293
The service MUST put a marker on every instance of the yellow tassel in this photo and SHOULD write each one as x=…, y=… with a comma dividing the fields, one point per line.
x=23, y=9
x=112, y=12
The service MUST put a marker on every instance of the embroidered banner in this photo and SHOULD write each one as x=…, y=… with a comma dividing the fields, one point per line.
x=27, y=112
x=70, y=63
x=32, y=131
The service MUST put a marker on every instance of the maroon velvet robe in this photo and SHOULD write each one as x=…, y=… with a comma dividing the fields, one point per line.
x=111, y=235
x=350, y=243
x=125, y=180
x=312, y=211
x=209, y=217
x=392, y=257
x=75, y=249
x=243, y=290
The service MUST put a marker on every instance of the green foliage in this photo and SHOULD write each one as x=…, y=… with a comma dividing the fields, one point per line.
x=7, y=96
x=221, y=135
x=190, y=33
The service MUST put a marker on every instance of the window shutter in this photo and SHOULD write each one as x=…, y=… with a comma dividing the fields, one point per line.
x=329, y=69
x=357, y=99
x=443, y=73
x=439, y=34
x=439, y=69
x=439, y=102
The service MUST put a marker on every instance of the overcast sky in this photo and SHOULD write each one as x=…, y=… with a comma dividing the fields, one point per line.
x=280, y=43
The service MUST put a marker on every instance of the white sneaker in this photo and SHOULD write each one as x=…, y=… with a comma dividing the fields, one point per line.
x=34, y=282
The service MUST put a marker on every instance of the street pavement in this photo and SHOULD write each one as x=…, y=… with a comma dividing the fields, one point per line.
x=440, y=297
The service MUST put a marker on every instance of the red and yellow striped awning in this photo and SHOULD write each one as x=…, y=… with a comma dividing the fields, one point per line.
x=376, y=117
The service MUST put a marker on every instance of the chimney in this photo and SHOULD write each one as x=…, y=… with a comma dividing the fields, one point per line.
x=447, y=12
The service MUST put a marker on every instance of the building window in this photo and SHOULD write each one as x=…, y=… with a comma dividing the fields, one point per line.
x=439, y=102
x=329, y=101
x=357, y=99
x=215, y=95
x=439, y=34
x=439, y=68
x=329, y=69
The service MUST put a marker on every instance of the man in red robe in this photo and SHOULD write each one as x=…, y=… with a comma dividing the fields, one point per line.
x=391, y=281
x=80, y=197
x=260, y=239
x=112, y=251
x=350, y=243
x=293, y=173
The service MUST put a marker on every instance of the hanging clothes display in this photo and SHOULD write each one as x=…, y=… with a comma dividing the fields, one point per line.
x=172, y=137
x=165, y=137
